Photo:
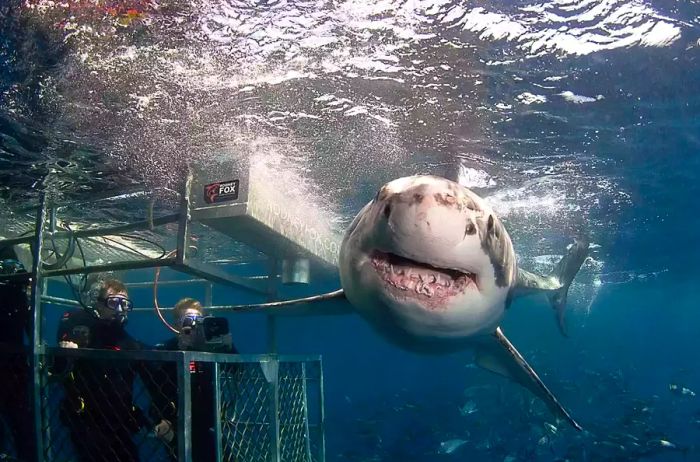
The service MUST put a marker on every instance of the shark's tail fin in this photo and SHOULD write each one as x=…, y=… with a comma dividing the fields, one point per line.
x=565, y=272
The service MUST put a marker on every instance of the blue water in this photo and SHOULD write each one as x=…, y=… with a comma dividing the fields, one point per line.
x=567, y=117
x=386, y=404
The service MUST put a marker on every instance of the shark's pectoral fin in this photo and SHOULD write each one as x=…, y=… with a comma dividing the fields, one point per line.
x=498, y=355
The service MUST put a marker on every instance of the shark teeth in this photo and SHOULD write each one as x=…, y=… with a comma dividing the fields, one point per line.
x=424, y=280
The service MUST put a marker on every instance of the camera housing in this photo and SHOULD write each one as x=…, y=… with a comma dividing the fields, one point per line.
x=209, y=333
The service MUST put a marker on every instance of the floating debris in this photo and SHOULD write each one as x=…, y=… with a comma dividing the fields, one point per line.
x=662, y=443
x=450, y=446
x=679, y=390
x=468, y=408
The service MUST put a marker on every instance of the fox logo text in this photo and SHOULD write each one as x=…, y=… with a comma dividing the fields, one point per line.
x=221, y=191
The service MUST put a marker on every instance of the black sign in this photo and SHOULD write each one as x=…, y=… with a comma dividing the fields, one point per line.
x=221, y=192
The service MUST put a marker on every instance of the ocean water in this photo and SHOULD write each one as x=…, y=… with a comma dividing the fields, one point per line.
x=568, y=117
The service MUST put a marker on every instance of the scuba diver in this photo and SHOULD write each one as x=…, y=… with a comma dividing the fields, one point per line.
x=16, y=407
x=189, y=319
x=98, y=406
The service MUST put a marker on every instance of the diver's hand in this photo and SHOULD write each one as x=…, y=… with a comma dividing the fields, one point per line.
x=227, y=340
x=67, y=344
x=164, y=431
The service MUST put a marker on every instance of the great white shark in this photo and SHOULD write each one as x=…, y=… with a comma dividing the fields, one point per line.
x=432, y=269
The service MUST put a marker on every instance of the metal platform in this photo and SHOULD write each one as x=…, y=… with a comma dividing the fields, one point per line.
x=251, y=210
x=206, y=234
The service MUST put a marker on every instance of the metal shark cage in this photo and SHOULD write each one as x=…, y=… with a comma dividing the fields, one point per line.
x=268, y=407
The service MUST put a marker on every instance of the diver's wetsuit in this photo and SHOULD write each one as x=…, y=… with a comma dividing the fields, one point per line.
x=203, y=415
x=98, y=407
x=15, y=371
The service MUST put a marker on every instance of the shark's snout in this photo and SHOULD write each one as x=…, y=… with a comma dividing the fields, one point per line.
x=428, y=217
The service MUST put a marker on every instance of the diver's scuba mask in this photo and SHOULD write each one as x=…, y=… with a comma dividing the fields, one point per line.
x=119, y=304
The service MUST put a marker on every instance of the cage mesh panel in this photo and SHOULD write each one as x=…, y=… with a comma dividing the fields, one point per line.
x=292, y=413
x=87, y=408
x=101, y=410
x=16, y=417
x=247, y=401
x=16, y=225
x=314, y=406
x=245, y=413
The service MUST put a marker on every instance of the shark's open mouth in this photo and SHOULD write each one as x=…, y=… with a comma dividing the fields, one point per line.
x=416, y=278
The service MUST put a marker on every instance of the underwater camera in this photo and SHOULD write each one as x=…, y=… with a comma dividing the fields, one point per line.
x=208, y=333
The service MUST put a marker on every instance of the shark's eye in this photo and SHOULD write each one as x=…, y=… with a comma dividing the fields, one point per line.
x=470, y=229
x=387, y=210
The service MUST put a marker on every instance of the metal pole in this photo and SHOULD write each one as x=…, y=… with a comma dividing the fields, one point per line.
x=135, y=226
x=322, y=416
x=275, y=411
x=217, y=409
x=149, y=284
x=183, y=232
x=184, y=406
x=151, y=206
x=307, y=434
x=99, y=231
x=208, y=295
x=52, y=220
x=62, y=301
x=272, y=295
x=116, y=266
x=215, y=274
x=47, y=436
x=37, y=334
